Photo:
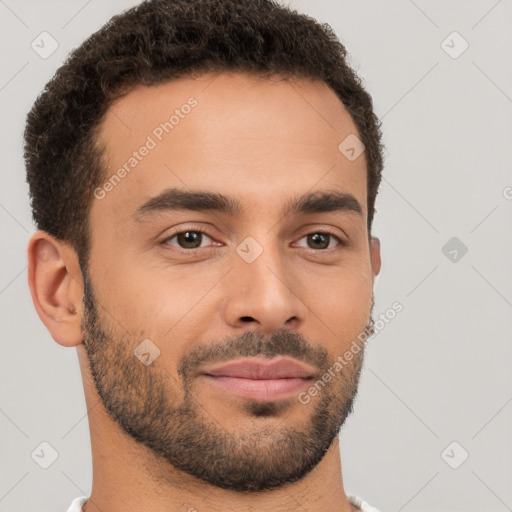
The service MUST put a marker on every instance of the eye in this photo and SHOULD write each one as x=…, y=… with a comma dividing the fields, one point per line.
x=190, y=239
x=321, y=240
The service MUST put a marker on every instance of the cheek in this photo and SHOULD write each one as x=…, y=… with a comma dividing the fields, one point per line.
x=158, y=301
x=342, y=301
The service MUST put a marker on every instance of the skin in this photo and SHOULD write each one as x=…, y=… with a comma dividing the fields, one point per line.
x=262, y=141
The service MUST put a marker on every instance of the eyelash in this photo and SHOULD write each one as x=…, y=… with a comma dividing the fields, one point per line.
x=340, y=246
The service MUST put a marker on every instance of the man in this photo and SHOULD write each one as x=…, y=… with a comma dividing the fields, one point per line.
x=203, y=175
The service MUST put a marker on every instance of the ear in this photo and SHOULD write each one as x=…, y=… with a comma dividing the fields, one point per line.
x=56, y=285
x=375, y=255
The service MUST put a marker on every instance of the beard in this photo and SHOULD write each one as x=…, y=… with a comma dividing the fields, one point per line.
x=143, y=401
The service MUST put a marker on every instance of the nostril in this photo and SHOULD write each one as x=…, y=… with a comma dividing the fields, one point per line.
x=247, y=319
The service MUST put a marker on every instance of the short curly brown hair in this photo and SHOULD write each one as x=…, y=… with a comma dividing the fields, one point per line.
x=154, y=42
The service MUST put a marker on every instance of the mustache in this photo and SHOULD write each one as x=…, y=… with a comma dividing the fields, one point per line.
x=253, y=343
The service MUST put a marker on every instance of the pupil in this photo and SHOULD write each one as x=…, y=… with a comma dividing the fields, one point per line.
x=318, y=238
x=189, y=237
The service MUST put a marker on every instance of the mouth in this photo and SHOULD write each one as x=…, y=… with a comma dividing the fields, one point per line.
x=260, y=379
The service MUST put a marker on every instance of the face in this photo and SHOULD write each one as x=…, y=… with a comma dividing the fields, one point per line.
x=230, y=268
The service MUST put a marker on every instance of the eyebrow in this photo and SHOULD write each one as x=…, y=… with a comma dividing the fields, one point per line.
x=313, y=202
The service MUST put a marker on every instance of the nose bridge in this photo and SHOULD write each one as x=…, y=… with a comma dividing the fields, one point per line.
x=261, y=292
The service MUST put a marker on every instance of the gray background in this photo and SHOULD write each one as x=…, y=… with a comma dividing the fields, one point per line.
x=439, y=372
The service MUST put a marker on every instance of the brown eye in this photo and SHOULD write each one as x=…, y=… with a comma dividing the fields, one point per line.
x=187, y=239
x=321, y=241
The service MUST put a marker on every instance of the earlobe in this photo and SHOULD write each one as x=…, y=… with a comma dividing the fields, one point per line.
x=56, y=286
x=375, y=255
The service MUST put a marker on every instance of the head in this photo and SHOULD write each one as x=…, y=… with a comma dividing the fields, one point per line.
x=203, y=175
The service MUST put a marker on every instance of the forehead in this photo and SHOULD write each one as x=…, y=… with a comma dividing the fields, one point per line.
x=242, y=135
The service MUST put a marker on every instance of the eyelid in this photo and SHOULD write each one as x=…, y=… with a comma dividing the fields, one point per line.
x=336, y=232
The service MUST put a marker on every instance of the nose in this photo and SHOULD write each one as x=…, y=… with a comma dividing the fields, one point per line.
x=264, y=295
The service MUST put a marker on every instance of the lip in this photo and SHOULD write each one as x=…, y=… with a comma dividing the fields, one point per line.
x=260, y=379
